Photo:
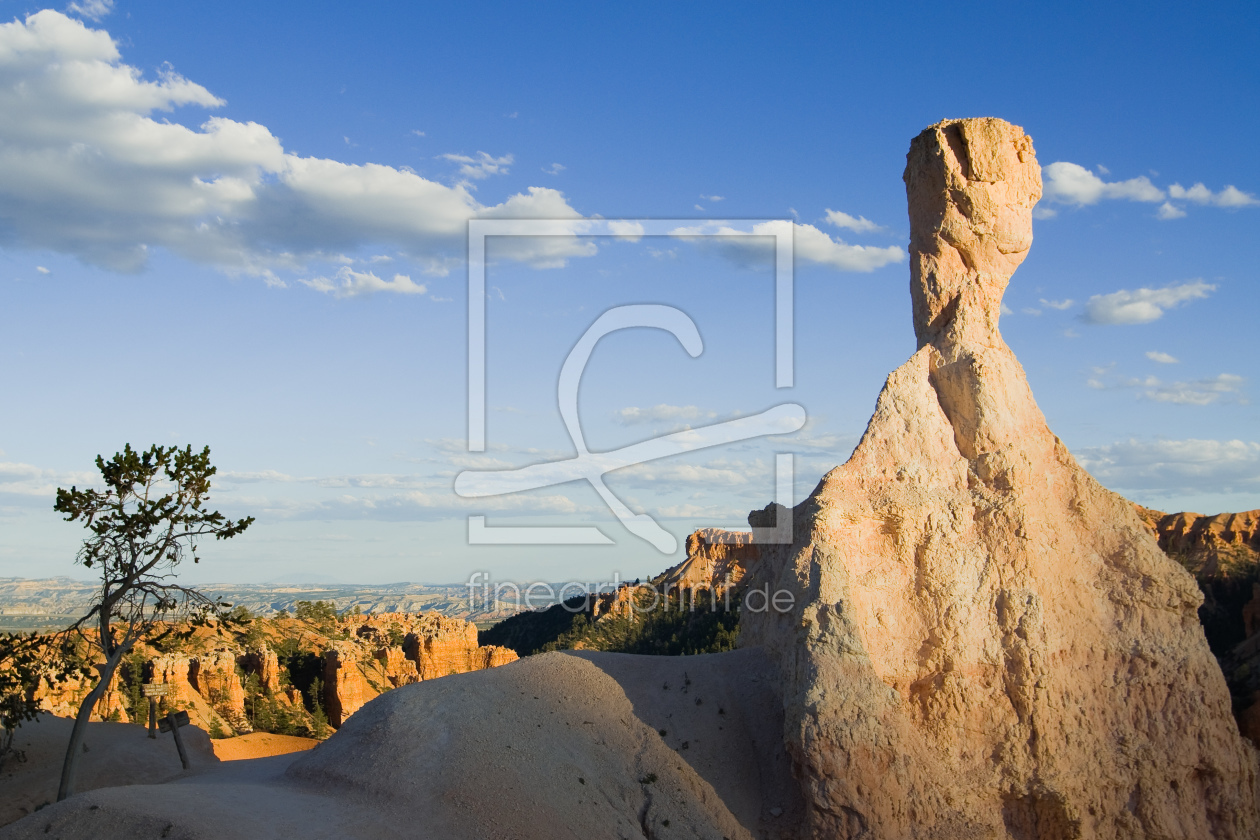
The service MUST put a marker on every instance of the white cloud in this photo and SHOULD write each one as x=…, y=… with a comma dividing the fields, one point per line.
x=1162, y=358
x=554, y=169
x=1223, y=387
x=629, y=230
x=42, y=270
x=663, y=413
x=417, y=132
x=1142, y=306
x=815, y=246
x=1028, y=310
x=482, y=166
x=713, y=198
x=1005, y=310
x=1168, y=211
x=351, y=283
x=861, y=224
x=1231, y=196
x=86, y=169
x=1071, y=183
x=809, y=244
x=1172, y=466
x=1058, y=304
x=92, y=9
x=31, y=481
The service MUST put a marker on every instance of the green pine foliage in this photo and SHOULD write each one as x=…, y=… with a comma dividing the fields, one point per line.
x=677, y=625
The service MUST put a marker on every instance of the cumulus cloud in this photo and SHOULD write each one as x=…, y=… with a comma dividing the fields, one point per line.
x=1231, y=196
x=1071, y=183
x=1175, y=466
x=92, y=9
x=351, y=283
x=809, y=244
x=1058, y=304
x=1168, y=211
x=1162, y=358
x=87, y=169
x=482, y=166
x=1141, y=306
x=554, y=169
x=860, y=224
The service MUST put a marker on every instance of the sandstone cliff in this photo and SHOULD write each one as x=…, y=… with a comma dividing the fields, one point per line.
x=716, y=560
x=431, y=646
x=1210, y=546
x=986, y=642
x=224, y=685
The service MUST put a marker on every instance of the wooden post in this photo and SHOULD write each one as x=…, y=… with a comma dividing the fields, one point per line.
x=179, y=740
x=173, y=721
x=153, y=691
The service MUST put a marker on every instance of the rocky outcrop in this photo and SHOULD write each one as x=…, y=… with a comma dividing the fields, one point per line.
x=1210, y=546
x=219, y=709
x=432, y=646
x=984, y=641
x=442, y=646
x=63, y=698
x=346, y=684
x=263, y=662
x=716, y=561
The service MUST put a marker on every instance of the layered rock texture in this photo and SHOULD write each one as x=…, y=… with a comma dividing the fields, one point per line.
x=356, y=658
x=430, y=646
x=985, y=642
x=716, y=560
x=1213, y=545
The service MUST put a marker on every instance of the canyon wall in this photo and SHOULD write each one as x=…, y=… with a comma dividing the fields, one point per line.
x=359, y=658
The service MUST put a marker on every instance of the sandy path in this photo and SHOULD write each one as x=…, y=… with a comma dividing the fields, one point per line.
x=259, y=745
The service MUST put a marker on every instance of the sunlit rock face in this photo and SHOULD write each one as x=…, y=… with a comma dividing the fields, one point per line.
x=716, y=560
x=986, y=642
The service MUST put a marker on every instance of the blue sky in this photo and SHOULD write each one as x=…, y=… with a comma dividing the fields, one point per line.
x=243, y=226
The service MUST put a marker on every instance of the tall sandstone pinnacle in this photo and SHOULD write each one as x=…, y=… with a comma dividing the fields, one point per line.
x=987, y=643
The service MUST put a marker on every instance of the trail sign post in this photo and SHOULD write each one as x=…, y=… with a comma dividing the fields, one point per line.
x=172, y=722
x=153, y=691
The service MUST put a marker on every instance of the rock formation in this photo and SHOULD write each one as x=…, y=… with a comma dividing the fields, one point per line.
x=359, y=658
x=63, y=699
x=716, y=560
x=346, y=684
x=432, y=646
x=985, y=642
x=442, y=646
x=187, y=677
x=1212, y=544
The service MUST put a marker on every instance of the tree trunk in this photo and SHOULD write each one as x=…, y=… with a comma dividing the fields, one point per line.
x=81, y=720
